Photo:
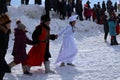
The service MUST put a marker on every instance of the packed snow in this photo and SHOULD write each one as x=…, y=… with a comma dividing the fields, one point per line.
x=95, y=60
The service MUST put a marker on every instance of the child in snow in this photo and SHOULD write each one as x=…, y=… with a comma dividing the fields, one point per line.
x=112, y=28
x=68, y=49
x=19, y=49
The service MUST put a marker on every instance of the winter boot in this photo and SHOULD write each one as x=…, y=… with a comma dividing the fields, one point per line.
x=12, y=64
x=112, y=41
x=47, y=67
x=2, y=75
x=62, y=64
x=26, y=70
x=70, y=64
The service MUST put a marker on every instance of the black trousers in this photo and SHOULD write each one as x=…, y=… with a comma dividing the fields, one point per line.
x=2, y=75
x=25, y=2
x=113, y=40
x=105, y=35
x=38, y=2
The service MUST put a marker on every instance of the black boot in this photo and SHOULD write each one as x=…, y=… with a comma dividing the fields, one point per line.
x=2, y=75
x=27, y=73
x=70, y=64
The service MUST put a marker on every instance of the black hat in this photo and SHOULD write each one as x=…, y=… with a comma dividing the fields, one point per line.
x=45, y=18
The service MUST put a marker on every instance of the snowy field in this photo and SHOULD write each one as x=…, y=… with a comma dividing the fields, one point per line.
x=95, y=60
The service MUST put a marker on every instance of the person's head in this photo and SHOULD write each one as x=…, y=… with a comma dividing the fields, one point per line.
x=45, y=19
x=20, y=25
x=113, y=15
x=72, y=20
x=18, y=21
x=95, y=5
x=85, y=5
x=105, y=16
x=5, y=21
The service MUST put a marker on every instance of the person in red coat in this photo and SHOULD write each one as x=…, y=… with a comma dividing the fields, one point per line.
x=39, y=53
x=19, y=48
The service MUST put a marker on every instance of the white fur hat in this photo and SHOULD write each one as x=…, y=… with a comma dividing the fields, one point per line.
x=21, y=26
x=73, y=18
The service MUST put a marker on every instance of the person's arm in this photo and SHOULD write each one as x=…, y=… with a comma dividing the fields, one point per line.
x=62, y=32
x=53, y=36
x=28, y=41
x=36, y=34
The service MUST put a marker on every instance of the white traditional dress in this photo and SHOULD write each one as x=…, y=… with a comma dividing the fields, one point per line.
x=68, y=49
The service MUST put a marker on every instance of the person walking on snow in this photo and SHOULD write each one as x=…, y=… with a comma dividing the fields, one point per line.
x=39, y=53
x=19, y=49
x=68, y=49
x=112, y=28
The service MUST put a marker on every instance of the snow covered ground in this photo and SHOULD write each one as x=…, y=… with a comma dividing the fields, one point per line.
x=95, y=60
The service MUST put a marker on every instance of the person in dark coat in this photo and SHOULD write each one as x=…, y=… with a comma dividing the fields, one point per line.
x=38, y=2
x=69, y=8
x=115, y=6
x=88, y=3
x=4, y=39
x=3, y=7
x=103, y=6
x=55, y=5
x=79, y=9
x=47, y=6
x=94, y=13
x=19, y=49
x=40, y=53
x=109, y=6
x=62, y=9
x=25, y=2
x=106, y=27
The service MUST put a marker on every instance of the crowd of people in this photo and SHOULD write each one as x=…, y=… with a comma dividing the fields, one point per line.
x=65, y=8
x=39, y=53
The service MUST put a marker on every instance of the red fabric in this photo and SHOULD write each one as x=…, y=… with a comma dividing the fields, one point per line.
x=36, y=54
x=94, y=15
x=112, y=37
x=87, y=12
x=117, y=29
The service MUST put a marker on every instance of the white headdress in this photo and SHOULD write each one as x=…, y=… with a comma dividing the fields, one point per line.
x=73, y=18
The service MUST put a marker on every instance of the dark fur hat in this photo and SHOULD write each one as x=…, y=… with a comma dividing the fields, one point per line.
x=4, y=19
x=45, y=18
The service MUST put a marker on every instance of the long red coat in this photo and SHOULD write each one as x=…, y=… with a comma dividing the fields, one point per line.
x=37, y=52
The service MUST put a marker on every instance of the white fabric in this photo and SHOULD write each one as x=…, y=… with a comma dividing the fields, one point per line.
x=73, y=18
x=68, y=49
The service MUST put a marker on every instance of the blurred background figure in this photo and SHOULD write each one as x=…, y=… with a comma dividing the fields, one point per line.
x=9, y=2
x=79, y=9
x=3, y=7
x=38, y=2
x=25, y=2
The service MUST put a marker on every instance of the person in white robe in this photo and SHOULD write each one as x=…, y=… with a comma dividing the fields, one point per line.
x=68, y=49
